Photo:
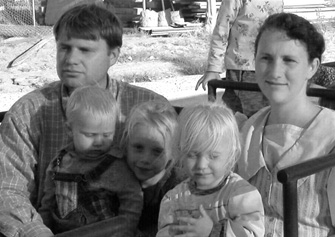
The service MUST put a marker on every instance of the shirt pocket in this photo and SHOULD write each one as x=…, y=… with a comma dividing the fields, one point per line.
x=66, y=197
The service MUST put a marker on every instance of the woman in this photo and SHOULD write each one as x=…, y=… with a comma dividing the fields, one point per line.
x=288, y=52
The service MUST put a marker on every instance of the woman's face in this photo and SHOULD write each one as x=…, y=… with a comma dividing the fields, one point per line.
x=282, y=67
x=146, y=153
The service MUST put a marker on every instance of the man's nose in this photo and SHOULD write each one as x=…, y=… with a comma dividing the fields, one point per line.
x=72, y=56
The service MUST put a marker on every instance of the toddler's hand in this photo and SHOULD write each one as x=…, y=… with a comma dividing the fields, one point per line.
x=192, y=227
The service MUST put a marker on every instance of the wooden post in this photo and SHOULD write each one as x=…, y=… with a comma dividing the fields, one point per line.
x=163, y=6
x=34, y=14
x=144, y=4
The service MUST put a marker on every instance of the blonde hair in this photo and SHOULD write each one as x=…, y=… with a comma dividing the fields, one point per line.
x=94, y=100
x=213, y=121
x=157, y=114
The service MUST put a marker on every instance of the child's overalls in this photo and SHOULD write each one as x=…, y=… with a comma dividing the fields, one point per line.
x=76, y=204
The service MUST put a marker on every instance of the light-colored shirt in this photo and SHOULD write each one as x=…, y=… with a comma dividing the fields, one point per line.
x=235, y=207
x=315, y=215
x=32, y=133
x=233, y=40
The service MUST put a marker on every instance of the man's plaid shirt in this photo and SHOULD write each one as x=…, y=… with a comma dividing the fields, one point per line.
x=32, y=133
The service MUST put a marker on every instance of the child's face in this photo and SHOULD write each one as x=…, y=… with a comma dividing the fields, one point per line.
x=208, y=168
x=92, y=136
x=146, y=154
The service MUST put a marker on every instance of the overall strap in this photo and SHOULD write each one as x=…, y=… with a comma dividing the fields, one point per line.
x=91, y=175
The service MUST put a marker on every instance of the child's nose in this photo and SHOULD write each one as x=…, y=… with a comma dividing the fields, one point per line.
x=202, y=162
x=98, y=141
x=147, y=158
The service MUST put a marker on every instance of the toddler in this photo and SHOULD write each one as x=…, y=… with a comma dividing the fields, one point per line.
x=85, y=183
x=213, y=201
x=147, y=142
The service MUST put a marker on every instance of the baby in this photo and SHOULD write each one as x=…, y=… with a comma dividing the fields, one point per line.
x=85, y=183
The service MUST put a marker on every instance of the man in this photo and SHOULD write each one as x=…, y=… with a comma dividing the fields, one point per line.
x=88, y=40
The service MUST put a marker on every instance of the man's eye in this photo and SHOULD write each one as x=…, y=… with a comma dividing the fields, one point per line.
x=85, y=50
x=89, y=135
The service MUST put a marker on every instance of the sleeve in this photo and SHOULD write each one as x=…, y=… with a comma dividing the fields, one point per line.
x=166, y=217
x=131, y=202
x=219, y=40
x=17, y=177
x=48, y=202
x=246, y=215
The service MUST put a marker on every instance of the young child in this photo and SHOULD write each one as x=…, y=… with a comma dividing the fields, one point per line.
x=213, y=201
x=232, y=50
x=85, y=183
x=147, y=142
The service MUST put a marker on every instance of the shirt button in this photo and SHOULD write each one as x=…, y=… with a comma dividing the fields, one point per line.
x=268, y=177
x=272, y=219
x=268, y=235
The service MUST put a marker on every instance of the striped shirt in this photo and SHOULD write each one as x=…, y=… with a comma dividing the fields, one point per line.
x=234, y=206
x=314, y=215
x=32, y=133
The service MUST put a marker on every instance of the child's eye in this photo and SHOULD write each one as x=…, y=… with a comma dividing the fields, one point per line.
x=107, y=135
x=138, y=148
x=158, y=152
x=191, y=155
x=214, y=156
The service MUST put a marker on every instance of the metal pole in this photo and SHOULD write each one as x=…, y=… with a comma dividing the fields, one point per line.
x=34, y=14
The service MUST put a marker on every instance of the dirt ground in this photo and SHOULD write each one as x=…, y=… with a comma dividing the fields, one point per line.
x=39, y=68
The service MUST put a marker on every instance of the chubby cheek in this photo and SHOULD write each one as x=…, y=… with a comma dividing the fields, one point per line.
x=131, y=160
x=158, y=166
x=188, y=166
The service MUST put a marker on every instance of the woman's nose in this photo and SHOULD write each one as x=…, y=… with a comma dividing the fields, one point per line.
x=276, y=68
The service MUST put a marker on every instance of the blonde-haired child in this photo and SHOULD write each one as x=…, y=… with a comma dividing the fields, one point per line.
x=213, y=201
x=147, y=142
x=85, y=183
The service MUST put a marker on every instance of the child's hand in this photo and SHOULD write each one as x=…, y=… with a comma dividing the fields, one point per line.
x=192, y=227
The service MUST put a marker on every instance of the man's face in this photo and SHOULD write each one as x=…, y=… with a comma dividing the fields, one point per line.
x=82, y=62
